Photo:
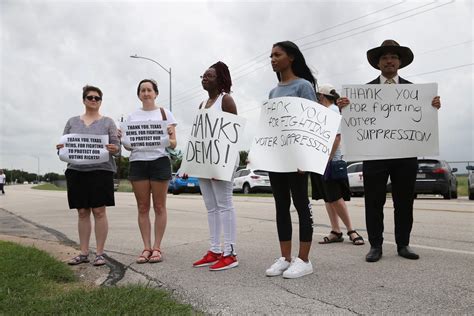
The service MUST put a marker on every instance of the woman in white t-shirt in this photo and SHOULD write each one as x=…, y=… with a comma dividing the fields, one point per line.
x=150, y=172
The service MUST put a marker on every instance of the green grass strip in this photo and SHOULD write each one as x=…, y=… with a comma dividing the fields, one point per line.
x=34, y=283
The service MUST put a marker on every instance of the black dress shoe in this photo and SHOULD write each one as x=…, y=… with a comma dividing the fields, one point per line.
x=406, y=252
x=374, y=254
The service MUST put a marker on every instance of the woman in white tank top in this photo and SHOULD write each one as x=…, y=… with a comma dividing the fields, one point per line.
x=217, y=194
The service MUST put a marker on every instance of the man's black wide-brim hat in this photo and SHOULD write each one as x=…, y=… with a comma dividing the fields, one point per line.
x=390, y=46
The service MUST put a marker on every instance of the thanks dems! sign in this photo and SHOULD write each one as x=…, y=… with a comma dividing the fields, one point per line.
x=212, y=148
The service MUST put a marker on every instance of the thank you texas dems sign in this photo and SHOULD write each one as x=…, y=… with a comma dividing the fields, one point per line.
x=293, y=133
x=389, y=121
x=213, y=147
x=82, y=149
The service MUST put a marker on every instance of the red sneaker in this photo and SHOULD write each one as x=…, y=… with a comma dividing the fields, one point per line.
x=225, y=263
x=209, y=259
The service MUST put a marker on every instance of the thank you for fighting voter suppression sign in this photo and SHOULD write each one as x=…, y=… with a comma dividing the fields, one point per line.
x=389, y=121
x=293, y=133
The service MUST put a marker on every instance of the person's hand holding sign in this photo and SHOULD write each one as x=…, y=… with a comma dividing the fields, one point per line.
x=172, y=134
x=111, y=148
x=342, y=102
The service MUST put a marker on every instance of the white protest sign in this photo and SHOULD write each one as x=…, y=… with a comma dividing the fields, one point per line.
x=293, y=133
x=84, y=149
x=145, y=134
x=212, y=149
x=389, y=121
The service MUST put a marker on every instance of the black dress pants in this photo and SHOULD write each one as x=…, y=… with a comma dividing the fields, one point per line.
x=402, y=173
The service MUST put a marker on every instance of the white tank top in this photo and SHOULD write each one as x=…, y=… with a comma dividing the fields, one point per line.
x=217, y=105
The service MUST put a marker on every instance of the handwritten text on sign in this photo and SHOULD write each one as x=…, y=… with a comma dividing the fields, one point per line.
x=389, y=121
x=83, y=149
x=212, y=148
x=145, y=134
x=293, y=133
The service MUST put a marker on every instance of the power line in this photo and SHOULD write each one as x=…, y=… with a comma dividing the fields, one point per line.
x=253, y=60
x=364, y=31
x=441, y=70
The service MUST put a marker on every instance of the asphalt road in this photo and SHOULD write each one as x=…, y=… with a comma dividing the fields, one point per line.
x=441, y=282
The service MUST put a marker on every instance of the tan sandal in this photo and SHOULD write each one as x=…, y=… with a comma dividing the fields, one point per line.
x=156, y=258
x=145, y=256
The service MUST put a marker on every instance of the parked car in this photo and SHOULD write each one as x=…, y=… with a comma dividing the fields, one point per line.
x=356, y=179
x=179, y=184
x=116, y=184
x=250, y=180
x=470, y=182
x=436, y=177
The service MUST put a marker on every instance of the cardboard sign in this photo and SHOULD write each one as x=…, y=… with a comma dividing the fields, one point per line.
x=212, y=149
x=144, y=135
x=389, y=121
x=293, y=133
x=84, y=149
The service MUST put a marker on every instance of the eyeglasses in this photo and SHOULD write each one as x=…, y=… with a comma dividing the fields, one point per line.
x=93, y=97
x=207, y=76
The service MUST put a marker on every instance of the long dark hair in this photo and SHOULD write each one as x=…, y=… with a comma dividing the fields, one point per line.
x=298, y=65
x=224, y=80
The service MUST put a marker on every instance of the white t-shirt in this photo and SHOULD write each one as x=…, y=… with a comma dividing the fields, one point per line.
x=2, y=179
x=154, y=115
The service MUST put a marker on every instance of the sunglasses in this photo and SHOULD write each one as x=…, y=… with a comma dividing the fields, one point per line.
x=208, y=76
x=93, y=97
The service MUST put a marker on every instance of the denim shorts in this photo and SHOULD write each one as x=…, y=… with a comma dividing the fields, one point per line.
x=153, y=170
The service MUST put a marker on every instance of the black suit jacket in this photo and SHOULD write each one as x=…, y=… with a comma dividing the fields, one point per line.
x=400, y=81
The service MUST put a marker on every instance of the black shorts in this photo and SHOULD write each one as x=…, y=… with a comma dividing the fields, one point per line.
x=90, y=189
x=329, y=190
x=153, y=170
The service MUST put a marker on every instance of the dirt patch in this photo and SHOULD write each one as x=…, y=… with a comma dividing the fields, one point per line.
x=86, y=272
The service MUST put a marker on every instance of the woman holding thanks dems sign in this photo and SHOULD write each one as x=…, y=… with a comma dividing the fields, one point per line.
x=90, y=187
x=217, y=194
x=150, y=169
x=294, y=80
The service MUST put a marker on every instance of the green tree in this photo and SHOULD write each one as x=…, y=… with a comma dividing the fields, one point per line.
x=244, y=154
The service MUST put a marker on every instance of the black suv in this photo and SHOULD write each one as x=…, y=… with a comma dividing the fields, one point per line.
x=436, y=177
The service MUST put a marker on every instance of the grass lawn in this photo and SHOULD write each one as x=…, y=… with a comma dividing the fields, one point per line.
x=462, y=185
x=34, y=283
x=48, y=186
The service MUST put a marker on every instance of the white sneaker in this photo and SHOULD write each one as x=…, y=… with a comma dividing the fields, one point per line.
x=278, y=267
x=298, y=268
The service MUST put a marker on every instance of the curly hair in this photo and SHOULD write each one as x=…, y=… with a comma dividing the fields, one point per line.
x=224, y=80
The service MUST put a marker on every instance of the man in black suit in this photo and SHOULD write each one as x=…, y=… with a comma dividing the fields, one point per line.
x=388, y=58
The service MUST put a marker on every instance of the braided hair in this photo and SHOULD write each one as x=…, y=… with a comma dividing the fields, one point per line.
x=224, y=82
